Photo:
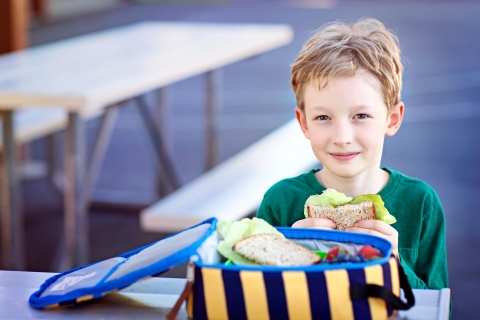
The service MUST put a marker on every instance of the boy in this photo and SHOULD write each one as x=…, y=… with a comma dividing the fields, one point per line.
x=347, y=81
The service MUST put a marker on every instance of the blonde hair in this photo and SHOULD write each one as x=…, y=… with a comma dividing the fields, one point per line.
x=338, y=49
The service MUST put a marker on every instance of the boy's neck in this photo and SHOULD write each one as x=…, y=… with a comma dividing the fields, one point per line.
x=368, y=182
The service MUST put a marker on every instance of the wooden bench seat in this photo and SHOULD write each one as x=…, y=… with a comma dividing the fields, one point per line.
x=235, y=188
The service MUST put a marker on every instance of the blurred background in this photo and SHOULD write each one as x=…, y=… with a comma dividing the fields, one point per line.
x=438, y=142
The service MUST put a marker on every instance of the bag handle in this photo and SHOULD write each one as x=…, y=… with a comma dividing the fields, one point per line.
x=363, y=291
x=172, y=314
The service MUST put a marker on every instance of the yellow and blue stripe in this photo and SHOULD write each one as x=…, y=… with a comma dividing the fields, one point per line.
x=221, y=293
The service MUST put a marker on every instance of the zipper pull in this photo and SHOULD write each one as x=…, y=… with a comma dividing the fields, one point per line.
x=186, y=291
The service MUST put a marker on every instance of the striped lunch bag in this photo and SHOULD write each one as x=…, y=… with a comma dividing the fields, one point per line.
x=215, y=290
x=368, y=290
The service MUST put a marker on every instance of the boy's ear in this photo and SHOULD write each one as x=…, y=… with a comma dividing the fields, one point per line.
x=395, y=118
x=302, y=121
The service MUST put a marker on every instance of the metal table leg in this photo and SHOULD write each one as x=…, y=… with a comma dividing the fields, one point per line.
x=213, y=82
x=162, y=113
x=78, y=186
x=155, y=133
x=75, y=221
x=11, y=216
x=55, y=176
x=102, y=141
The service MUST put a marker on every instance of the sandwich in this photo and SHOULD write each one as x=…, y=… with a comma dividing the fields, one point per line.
x=273, y=250
x=345, y=211
x=255, y=242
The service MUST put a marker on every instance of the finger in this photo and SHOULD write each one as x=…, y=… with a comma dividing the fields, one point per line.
x=323, y=228
x=314, y=222
x=367, y=231
x=377, y=225
x=323, y=223
x=304, y=223
x=392, y=237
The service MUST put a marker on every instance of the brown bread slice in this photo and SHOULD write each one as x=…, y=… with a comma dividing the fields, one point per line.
x=273, y=250
x=344, y=216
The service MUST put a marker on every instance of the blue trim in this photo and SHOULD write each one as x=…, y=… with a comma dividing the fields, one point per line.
x=339, y=236
x=312, y=268
x=177, y=258
x=329, y=235
x=109, y=273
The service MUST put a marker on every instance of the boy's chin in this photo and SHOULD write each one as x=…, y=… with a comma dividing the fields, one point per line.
x=344, y=171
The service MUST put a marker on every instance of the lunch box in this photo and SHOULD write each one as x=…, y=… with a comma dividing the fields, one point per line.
x=215, y=290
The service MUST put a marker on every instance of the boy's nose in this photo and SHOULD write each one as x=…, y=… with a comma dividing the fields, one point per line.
x=343, y=135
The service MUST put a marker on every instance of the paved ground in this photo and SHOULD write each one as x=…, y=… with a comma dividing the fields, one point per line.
x=437, y=143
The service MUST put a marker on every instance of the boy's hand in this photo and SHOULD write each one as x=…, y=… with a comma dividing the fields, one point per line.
x=318, y=223
x=377, y=228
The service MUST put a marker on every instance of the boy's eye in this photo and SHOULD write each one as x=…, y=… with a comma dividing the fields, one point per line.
x=361, y=116
x=323, y=118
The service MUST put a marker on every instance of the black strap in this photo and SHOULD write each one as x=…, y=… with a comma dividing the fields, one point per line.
x=364, y=291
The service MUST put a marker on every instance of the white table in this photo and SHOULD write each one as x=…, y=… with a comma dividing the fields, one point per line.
x=152, y=299
x=99, y=71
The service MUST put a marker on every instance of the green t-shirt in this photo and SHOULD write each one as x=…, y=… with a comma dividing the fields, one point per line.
x=415, y=205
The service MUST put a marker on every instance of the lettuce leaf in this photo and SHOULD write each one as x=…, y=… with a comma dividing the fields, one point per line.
x=329, y=197
x=382, y=212
x=232, y=232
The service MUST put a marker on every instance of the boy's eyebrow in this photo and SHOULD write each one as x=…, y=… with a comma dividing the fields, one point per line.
x=320, y=108
x=362, y=106
x=323, y=108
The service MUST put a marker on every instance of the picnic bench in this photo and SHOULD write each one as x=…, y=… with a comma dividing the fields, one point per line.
x=96, y=73
x=234, y=188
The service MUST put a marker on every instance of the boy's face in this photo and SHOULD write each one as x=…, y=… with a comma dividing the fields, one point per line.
x=346, y=123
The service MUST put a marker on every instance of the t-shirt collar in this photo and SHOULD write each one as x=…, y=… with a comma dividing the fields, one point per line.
x=384, y=193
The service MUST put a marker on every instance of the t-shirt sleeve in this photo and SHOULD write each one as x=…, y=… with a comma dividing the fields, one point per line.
x=266, y=212
x=431, y=263
x=429, y=270
x=413, y=279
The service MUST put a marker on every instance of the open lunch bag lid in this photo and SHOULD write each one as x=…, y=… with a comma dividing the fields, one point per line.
x=98, y=279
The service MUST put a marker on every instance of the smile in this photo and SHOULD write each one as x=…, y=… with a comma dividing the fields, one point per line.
x=344, y=156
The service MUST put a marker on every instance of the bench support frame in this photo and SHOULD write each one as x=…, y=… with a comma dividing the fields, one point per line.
x=166, y=165
x=75, y=222
x=212, y=106
x=11, y=213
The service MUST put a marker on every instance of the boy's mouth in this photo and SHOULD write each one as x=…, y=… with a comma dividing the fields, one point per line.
x=344, y=156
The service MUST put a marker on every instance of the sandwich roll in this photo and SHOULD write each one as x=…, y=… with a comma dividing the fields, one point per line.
x=344, y=216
